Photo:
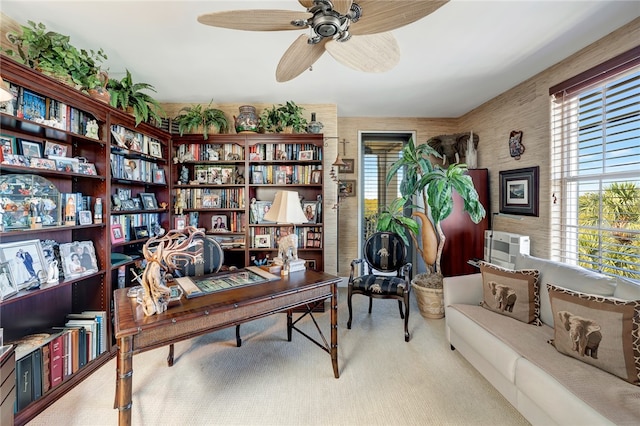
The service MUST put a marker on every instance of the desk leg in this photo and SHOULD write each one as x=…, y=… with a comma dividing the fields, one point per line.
x=334, y=329
x=289, y=324
x=124, y=379
x=170, y=356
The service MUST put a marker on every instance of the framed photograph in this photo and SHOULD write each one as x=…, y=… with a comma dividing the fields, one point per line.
x=149, y=201
x=140, y=232
x=155, y=149
x=65, y=164
x=128, y=204
x=226, y=174
x=8, y=145
x=311, y=264
x=123, y=194
x=137, y=203
x=42, y=163
x=219, y=223
x=84, y=217
x=87, y=169
x=30, y=149
x=55, y=149
x=15, y=160
x=210, y=200
x=27, y=264
x=316, y=176
x=305, y=155
x=347, y=188
x=7, y=286
x=262, y=241
x=179, y=223
x=262, y=207
x=309, y=209
x=159, y=176
x=348, y=165
x=281, y=177
x=117, y=234
x=257, y=177
x=255, y=156
x=519, y=191
x=116, y=202
x=78, y=258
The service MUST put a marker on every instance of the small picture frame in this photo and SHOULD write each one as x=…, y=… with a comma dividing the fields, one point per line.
x=219, y=223
x=66, y=164
x=8, y=145
x=348, y=166
x=117, y=234
x=305, y=155
x=311, y=264
x=316, y=177
x=149, y=201
x=262, y=241
x=281, y=177
x=8, y=286
x=84, y=217
x=255, y=156
x=42, y=163
x=179, y=223
x=309, y=208
x=155, y=149
x=347, y=188
x=257, y=177
x=262, y=207
x=140, y=232
x=30, y=149
x=87, y=169
x=159, y=176
x=15, y=160
x=55, y=149
x=128, y=204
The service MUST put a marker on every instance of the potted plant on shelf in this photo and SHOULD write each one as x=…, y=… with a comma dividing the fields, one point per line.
x=197, y=116
x=129, y=96
x=285, y=118
x=53, y=54
x=435, y=186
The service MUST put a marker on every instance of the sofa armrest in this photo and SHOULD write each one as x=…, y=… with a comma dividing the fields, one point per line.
x=465, y=289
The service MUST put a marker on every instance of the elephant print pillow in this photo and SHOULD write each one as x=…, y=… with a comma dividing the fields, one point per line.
x=601, y=331
x=511, y=293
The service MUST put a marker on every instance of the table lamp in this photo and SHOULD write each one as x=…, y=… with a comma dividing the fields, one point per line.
x=286, y=209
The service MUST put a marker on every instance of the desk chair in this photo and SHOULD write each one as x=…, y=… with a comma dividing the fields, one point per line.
x=387, y=274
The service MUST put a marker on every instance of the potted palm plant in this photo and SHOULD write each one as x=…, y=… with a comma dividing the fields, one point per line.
x=435, y=186
x=197, y=116
x=129, y=96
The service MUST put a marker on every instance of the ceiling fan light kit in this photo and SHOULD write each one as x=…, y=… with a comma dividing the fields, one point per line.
x=355, y=33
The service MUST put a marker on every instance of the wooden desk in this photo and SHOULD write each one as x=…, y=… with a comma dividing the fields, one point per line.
x=137, y=333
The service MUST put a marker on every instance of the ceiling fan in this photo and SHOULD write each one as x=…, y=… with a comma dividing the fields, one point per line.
x=355, y=32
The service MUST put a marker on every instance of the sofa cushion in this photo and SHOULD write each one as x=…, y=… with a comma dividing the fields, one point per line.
x=511, y=293
x=597, y=330
x=568, y=276
x=626, y=289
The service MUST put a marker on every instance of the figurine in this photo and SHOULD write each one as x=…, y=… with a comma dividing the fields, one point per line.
x=92, y=129
x=179, y=205
x=184, y=175
x=253, y=211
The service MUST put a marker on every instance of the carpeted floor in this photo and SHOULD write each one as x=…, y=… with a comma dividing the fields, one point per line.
x=269, y=381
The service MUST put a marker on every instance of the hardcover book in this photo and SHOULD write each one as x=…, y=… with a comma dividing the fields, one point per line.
x=34, y=106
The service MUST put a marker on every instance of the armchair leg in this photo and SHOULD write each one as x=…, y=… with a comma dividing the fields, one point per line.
x=370, y=303
x=400, y=307
x=349, y=306
x=407, y=337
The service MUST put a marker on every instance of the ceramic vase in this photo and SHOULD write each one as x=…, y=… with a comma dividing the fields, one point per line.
x=247, y=119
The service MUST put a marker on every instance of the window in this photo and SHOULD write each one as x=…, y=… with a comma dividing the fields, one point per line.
x=595, y=173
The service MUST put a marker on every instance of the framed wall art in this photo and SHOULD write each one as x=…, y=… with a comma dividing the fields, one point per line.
x=348, y=165
x=519, y=191
x=347, y=188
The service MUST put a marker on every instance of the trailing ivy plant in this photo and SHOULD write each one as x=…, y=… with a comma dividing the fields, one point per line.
x=125, y=94
x=197, y=115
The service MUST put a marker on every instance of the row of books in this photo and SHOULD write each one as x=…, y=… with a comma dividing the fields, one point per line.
x=210, y=152
x=131, y=221
x=268, y=236
x=135, y=169
x=281, y=151
x=45, y=360
x=33, y=106
x=211, y=198
x=283, y=175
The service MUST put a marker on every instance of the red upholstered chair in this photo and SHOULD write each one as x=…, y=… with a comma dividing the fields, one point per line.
x=384, y=273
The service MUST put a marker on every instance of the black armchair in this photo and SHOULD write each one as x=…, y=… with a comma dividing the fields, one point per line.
x=384, y=274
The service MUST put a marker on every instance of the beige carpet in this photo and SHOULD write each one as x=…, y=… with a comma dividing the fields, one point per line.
x=269, y=381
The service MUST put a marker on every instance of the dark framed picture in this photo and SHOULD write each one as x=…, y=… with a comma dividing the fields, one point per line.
x=30, y=149
x=149, y=201
x=305, y=155
x=348, y=165
x=117, y=234
x=55, y=149
x=8, y=145
x=159, y=176
x=309, y=209
x=128, y=204
x=84, y=217
x=219, y=223
x=257, y=177
x=519, y=191
x=140, y=232
x=155, y=149
x=7, y=285
x=316, y=176
x=311, y=264
x=347, y=188
x=27, y=264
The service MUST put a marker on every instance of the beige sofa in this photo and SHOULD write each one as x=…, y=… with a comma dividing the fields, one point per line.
x=546, y=386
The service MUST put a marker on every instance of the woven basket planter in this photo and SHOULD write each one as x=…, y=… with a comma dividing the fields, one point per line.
x=430, y=296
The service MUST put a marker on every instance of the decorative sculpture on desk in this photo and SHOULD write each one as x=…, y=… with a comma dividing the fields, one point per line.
x=288, y=247
x=163, y=255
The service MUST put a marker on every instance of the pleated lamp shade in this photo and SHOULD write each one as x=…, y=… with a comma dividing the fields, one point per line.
x=286, y=208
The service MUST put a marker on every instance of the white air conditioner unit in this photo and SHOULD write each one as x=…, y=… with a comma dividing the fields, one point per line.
x=501, y=248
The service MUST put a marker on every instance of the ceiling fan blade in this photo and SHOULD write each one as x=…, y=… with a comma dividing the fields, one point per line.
x=368, y=53
x=382, y=16
x=306, y=3
x=254, y=19
x=342, y=6
x=298, y=58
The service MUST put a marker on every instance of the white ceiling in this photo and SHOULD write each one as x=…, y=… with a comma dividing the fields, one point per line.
x=452, y=61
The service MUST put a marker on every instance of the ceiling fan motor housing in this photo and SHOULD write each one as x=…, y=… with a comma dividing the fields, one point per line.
x=326, y=24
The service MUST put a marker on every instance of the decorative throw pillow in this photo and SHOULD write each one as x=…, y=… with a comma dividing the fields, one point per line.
x=598, y=330
x=511, y=293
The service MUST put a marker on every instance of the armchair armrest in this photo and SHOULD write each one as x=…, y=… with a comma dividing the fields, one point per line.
x=465, y=289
